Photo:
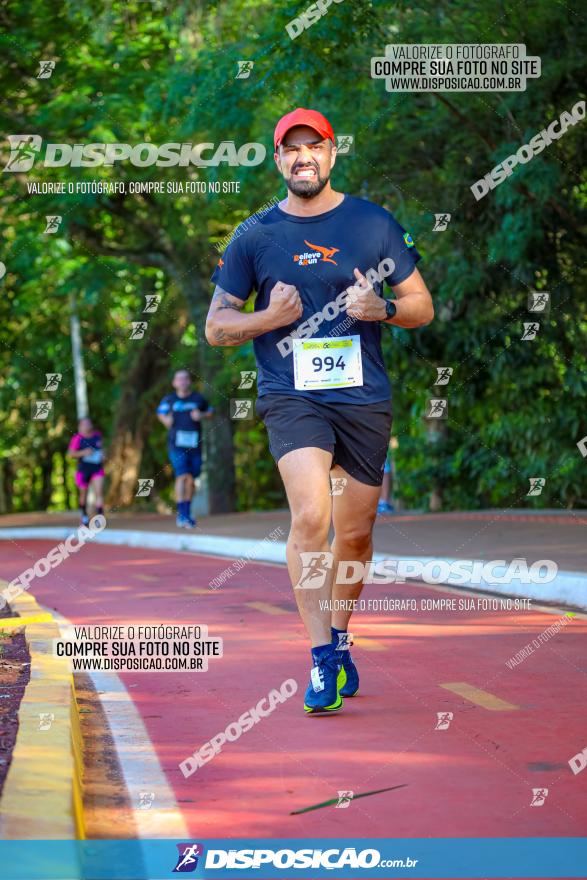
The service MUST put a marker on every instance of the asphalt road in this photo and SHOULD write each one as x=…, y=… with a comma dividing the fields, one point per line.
x=512, y=730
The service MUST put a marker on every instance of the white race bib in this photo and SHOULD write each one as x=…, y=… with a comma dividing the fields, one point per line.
x=327, y=363
x=186, y=439
x=95, y=457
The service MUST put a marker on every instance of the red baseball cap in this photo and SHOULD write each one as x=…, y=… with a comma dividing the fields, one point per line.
x=301, y=116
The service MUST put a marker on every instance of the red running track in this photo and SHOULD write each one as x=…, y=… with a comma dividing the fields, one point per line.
x=474, y=779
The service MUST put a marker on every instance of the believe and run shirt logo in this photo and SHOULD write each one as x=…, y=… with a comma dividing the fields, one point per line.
x=310, y=258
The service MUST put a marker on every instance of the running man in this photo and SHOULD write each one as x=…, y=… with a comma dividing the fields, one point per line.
x=316, y=261
x=182, y=412
x=86, y=446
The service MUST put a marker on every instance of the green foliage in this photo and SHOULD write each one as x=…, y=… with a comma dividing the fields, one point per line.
x=134, y=72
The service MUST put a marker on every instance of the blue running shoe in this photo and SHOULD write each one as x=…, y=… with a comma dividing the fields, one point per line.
x=326, y=680
x=384, y=508
x=182, y=522
x=351, y=686
x=190, y=523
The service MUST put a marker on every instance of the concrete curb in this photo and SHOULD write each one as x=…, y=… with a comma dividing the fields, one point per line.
x=569, y=588
x=42, y=796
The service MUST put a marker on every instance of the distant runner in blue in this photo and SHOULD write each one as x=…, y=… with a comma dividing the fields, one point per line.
x=182, y=412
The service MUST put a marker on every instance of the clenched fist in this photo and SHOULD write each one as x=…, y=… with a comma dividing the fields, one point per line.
x=363, y=302
x=285, y=305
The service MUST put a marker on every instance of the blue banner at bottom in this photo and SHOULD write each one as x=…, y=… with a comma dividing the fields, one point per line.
x=306, y=859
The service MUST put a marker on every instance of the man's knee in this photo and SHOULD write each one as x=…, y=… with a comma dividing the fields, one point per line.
x=355, y=538
x=310, y=524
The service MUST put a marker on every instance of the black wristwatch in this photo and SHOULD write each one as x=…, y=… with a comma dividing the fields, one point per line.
x=390, y=309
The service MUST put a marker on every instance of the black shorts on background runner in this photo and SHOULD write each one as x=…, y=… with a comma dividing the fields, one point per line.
x=357, y=435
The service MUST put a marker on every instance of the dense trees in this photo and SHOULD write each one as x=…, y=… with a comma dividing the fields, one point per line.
x=155, y=73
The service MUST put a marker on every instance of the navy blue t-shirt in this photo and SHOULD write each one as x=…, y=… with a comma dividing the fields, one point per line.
x=318, y=255
x=180, y=407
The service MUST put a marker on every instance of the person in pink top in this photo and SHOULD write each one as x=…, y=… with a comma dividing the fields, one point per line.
x=86, y=447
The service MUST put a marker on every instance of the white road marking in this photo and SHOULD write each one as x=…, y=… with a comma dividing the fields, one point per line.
x=568, y=587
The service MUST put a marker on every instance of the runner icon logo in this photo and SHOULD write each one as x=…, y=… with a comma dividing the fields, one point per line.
x=138, y=329
x=188, y=857
x=345, y=640
x=241, y=408
x=24, y=149
x=53, y=223
x=145, y=486
x=244, y=69
x=314, y=571
x=530, y=331
x=46, y=719
x=345, y=144
x=538, y=302
x=46, y=68
x=444, y=374
x=444, y=719
x=344, y=799
x=247, y=379
x=539, y=795
x=537, y=484
x=53, y=380
x=441, y=222
x=41, y=410
x=146, y=799
x=337, y=485
x=152, y=301
x=437, y=408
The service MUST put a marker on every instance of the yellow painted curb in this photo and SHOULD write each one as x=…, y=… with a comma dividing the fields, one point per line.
x=42, y=796
x=24, y=620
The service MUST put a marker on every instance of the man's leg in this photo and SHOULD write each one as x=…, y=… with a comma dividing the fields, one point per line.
x=354, y=512
x=179, y=488
x=353, y=516
x=183, y=479
x=190, y=485
x=305, y=474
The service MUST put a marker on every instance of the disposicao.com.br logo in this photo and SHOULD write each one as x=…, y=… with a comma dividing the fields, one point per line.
x=26, y=149
x=325, y=859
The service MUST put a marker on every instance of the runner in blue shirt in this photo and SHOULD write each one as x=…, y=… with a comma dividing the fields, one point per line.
x=317, y=262
x=182, y=412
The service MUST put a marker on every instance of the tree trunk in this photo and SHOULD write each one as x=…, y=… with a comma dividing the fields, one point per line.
x=4, y=497
x=219, y=432
x=46, y=480
x=64, y=465
x=220, y=464
x=133, y=420
x=436, y=431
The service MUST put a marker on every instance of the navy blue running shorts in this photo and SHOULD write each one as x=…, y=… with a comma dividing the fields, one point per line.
x=185, y=461
x=357, y=436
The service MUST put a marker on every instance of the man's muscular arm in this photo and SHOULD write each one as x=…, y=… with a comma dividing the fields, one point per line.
x=413, y=303
x=227, y=324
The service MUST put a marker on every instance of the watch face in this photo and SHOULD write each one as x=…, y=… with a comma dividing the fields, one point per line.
x=390, y=308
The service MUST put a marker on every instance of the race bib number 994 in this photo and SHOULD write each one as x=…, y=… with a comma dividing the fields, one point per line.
x=327, y=363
